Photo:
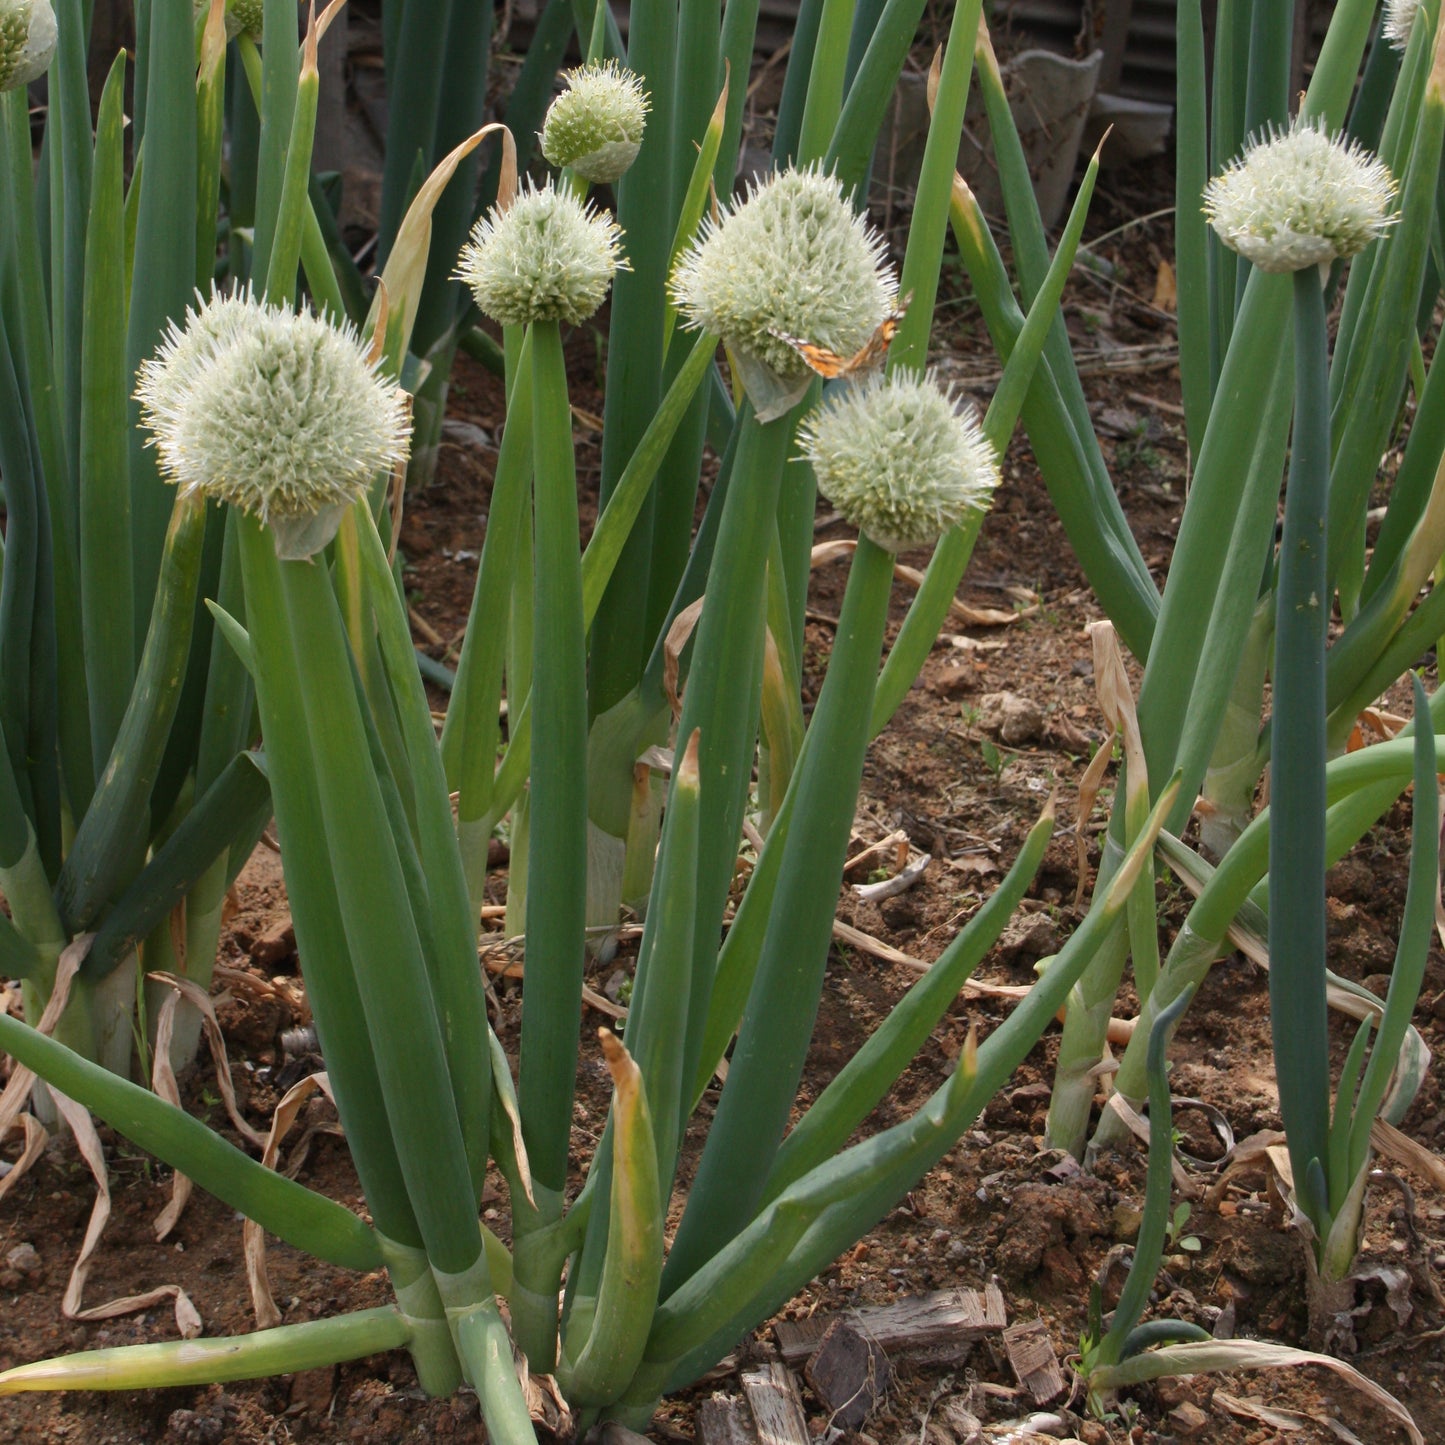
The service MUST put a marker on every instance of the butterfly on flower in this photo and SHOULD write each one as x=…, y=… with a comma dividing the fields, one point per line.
x=869, y=357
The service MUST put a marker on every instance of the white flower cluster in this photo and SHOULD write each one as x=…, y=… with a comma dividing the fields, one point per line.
x=899, y=460
x=792, y=260
x=1297, y=198
x=547, y=257
x=278, y=413
x=596, y=124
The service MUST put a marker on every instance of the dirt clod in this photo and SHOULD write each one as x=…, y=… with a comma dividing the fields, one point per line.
x=1013, y=718
x=1188, y=1419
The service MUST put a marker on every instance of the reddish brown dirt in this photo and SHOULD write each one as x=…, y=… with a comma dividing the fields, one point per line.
x=997, y=1207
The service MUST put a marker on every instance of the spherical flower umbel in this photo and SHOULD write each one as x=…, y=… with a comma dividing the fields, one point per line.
x=27, y=41
x=1298, y=198
x=596, y=124
x=899, y=460
x=547, y=257
x=792, y=260
x=280, y=414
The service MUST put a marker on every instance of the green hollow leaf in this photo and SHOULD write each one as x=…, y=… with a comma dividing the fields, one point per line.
x=470, y=733
x=870, y=94
x=617, y=648
x=331, y=981
x=873, y=1070
x=1335, y=72
x=1068, y=455
x=210, y=135
x=107, y=599
x=44, y=327
x=824, y=97
x=658, y=1010
x=294, y=202
x=452, y=958
x=929, y=226
x=1365, y=413
x=171, y=1363
x=777, y=1023
x=789, y=123
x=694, y=200
x=301, y=1217
x=207, y=831
x=737, y=961
x=1154, y=1225
x=280, y=72
x=111, y=837
x=363, y=856
x=162, y=272
x=1191, y=231
x=835, y=1204
x=1224, y=542
x=68, y=149
x=1392, y=145
x=605, y=548
x=1412, y=950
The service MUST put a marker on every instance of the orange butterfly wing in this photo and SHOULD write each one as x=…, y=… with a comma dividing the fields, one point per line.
x=867, y=358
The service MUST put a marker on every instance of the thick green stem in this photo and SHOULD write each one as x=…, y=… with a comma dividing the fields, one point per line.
x=557, y=847
x=1298, y=1020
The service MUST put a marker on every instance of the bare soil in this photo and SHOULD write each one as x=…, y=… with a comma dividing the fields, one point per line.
x=998, y=1208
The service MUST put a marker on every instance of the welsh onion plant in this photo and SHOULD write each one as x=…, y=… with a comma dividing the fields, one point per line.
x=382, y=878
x=1210, y=642
x=130, y=800
x=127, y=798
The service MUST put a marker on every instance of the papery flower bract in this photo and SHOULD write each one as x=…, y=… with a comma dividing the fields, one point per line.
x=899, y=460
x=596, y=124
x=793, y=259
x=27, y=41
x=547, y=257
x=1298, y=198
x=1399, y=20
x=278, y=413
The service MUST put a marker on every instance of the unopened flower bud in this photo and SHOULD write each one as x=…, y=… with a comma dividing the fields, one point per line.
x=899, y=461
x=27, y=41
x=596, y=124
x=280, y=414
x=1297, y=198
x=547, y=257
